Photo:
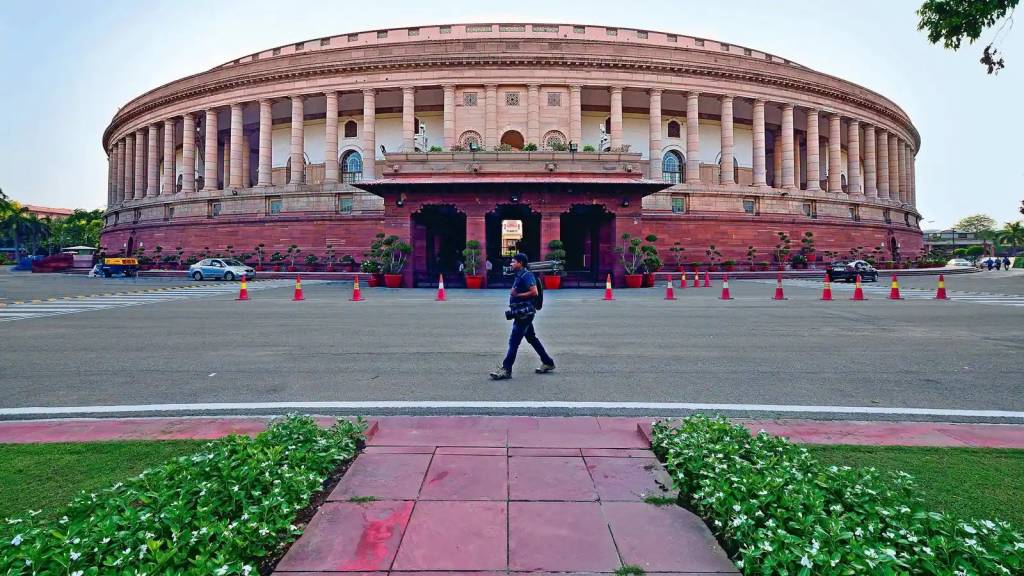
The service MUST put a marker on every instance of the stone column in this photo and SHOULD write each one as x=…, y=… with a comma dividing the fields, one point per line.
x=813, y=152
x=777, y=158
x=491, y=116
x=727, y=174
x=883, y=164
x=298, y=158
x=912, y=176
x=408, y=119
x=331, y=139
x=575, y=114
x=119, y=194
x=796, y=158
x=235, y=164
x=654, y=135
x=369, y=134
x=835, y=154
x=853, y=155
x=449, y=115
x=615, y=138
x=788, y=160
x=760, y=174
x=870, y=164
x=153, y=160
x=894, y=168
x=168, y=185
x=210, y=150
x=264, y=169
x=692, y=137
x=111, y=172
x=140, y=164
x=902, y=159
x=246, y=159
x=188, y=155
x=129, y=167
x=533, y=115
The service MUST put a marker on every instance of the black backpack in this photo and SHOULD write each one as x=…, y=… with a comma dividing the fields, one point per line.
x=538, y=301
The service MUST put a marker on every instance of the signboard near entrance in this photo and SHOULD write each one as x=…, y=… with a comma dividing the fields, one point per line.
x=511, y=236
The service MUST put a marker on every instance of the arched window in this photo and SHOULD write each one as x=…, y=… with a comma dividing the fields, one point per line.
x=470, y=139
x=608, y=125
x=735, y=168
x=554, y=140
x=350, y=129
x=842, y=182
x=351, y=167
x=673, y=129
x=673, y=167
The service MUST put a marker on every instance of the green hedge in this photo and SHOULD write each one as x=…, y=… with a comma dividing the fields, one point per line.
x=777, y=510
x=217, y=512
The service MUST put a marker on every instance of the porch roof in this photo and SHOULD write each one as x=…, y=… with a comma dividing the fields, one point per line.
x=403, y=182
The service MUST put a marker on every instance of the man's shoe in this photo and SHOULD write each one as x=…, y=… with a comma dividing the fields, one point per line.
x=545, y=368
x=501, y=374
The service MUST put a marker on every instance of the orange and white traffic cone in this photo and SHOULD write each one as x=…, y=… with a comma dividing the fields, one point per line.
x=696, y=278
x=707, y=279
x=441, y=296
x=682, y=281
x=940, y=293
x=357, y=295
x=669, y=292
x=826, y=294
x=608, y=289
x=725, y=289
x=298, y=289
x=894, y=292
x=243, y=290
x=858, y=292
x=778, y=288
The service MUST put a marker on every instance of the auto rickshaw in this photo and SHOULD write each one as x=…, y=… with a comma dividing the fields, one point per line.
x=128, y=267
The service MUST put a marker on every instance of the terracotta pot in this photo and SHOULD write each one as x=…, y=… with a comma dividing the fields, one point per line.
x=393, y=280
x=552, y=282
x=330, y=267
x=648, y=280
x=373, y=281
x=259, y=268
x=277, y=268
x=634, y=280
x=474, y=282
x=291, y=268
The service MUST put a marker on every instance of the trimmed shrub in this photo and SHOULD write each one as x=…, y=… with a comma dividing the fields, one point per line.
x=220, y=511
x=777, y=510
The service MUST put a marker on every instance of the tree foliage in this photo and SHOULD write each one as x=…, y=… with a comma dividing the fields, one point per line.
x=27, y=233
x=952, y=21
x=975, y=223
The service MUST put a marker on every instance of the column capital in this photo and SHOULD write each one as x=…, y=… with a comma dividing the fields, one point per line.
x=369, y=91
x=408, y=89
x=490, y=86
x=575, y=88
x=787, y=106
x=759, y=102
x=615, y=89
x=853, y=122
x=724, y=97
x=533, y=87
x=655, y=91
x=693, y=93
x=236, y=106
x=331, y=93
x=448, y=87
x=293, y=97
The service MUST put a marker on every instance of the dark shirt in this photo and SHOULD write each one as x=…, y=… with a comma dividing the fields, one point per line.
x=523, y=282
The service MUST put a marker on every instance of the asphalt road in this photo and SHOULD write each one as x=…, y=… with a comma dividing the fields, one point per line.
x=402, y=345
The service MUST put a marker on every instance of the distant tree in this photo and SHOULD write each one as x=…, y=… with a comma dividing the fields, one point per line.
x=952, y=21
x=975, y=223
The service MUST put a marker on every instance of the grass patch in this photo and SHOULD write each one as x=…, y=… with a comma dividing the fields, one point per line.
x=361, y=499
x=661, y=500
x=48, y=476
x=630, y=570
x=983, y=483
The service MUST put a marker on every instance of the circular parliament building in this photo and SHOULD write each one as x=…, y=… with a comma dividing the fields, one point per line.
x=513, y=135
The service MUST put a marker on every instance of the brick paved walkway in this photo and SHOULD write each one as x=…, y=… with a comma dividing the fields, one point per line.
x=503, y=494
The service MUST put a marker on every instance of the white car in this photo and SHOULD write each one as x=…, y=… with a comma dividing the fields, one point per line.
x=220, y=268
x=959, y=263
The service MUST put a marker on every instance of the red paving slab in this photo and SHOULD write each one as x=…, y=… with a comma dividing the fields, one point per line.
x=455, y=536
x=462, y=477
x=629, y=479
x=349, y=537
x=560, y=537
x=383, y=476
x=549, y=478
x=544, y=452
x=631, y=453
x=664, y=539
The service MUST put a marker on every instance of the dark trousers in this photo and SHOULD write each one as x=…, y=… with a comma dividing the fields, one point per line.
x=521, y=329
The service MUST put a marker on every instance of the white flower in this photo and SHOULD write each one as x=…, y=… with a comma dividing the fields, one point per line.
x=806, y=562
x=246, y=569
x=736, y=507
x=75, y=555
x=968, y=528
x=17, y=540
x=222, y=570
x=78, y=573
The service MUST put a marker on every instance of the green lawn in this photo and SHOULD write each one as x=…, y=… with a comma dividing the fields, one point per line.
x=49, y=476
x=969, y=482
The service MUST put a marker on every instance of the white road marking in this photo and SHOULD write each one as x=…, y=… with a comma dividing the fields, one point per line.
x=652, y=407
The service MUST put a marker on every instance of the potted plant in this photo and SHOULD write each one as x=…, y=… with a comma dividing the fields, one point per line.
x=677, y=251
x=531, y=147
x=170, y=262
x=632, y=259
x=651, y=261
x=392, y=254
x=556, y=253
x=589, y=148
x=730, y=265
x=371, y=267
x=471, y=264
x=276, y=259
x=782, y=249
x=329, y=257
x=157, y=258
x=798, y=261
x=751, y=255
x=713, y=257
x=311, y=262
x=348, y=263
x=293, y=253
x=259, y=257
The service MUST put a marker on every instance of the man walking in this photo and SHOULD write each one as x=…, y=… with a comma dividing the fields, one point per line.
x=522, y=307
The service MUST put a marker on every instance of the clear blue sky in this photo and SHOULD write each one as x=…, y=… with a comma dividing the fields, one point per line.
x=68, y=65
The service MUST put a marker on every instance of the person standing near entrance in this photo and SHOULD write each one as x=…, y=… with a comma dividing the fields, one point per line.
x=522, y=310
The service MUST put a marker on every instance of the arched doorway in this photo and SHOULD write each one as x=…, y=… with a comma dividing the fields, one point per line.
x=129, y=247
x=894, y=249
x=438, y=239
x=511, y=228
x=513, y=138
x=673, y=167
x=588, y=232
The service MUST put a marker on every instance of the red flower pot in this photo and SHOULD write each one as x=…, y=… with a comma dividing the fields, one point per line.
x=552, y=282
x=634, y=280
x=330, y=267
x=259, y=268
x=393, y=280
x=648, y=280
x=474, y=282
x=291, y=268
x=374, y=281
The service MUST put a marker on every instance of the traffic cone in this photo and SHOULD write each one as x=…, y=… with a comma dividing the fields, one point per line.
x=243, y=290
x=858, y=292
x=682, y=281
x=441, y=296
x=826, y=294
x=357, y=295
x=608, y=289
x=298, y=289
x=707, y=279
x=778, y=288
x=894, y=292
x=725, y=289
x=696, y=278
x=940, y=293
x=669, y=292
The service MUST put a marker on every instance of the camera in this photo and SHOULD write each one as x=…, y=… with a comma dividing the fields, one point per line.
x=510, y=315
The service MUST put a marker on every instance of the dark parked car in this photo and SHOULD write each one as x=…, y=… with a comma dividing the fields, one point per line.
x=848, y=271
